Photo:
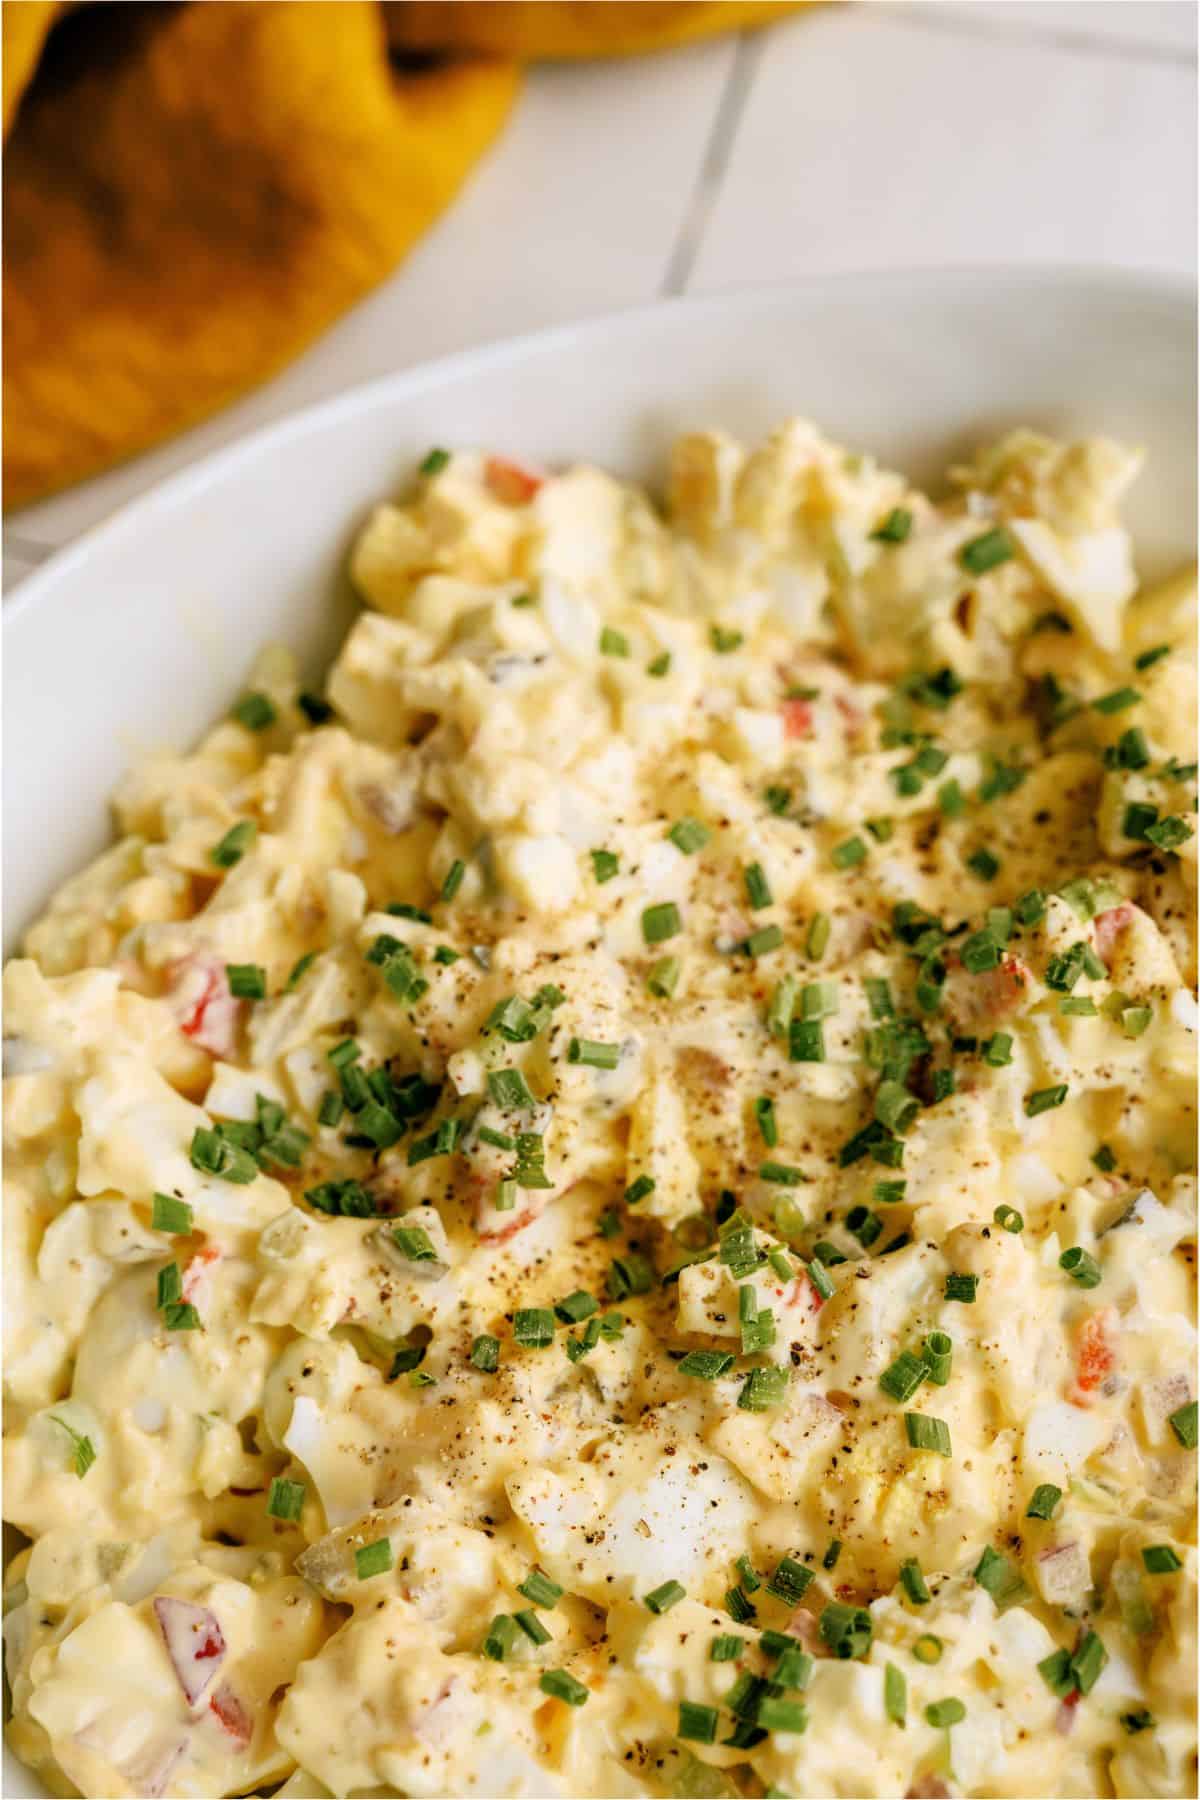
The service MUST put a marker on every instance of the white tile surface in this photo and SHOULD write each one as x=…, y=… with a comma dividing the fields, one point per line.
x=871, y=142
x=887, y=133
x=1164, y=25
x=575, y=211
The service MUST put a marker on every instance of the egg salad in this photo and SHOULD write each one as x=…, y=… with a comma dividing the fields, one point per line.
x=604, y=1206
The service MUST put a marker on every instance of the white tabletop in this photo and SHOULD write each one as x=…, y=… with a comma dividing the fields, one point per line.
x=882, y=134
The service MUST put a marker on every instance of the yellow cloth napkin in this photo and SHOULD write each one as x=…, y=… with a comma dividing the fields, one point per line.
x=193, y=192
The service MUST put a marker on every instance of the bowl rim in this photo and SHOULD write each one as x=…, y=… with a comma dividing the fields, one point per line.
x=1170, y=289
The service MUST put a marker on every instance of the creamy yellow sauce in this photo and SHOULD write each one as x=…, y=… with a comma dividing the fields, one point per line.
x=607, y=1208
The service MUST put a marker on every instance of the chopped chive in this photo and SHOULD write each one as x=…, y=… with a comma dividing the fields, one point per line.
x=928, y=1648
x=538, y=1588
x=1117, y=700
x=997, y=1052
x=762, y=941
x=234, y=845
x=532, y=1626
x=576, y=1307
x=454, y=879
x=739, y=1608
x=663, y=978
x=816, y=942
x=502, y=1637
x=832, y=1553
x=925, y=1433
x=689, y=835
x=533, y=1327
x=789, y=1581
x=1148, y=658
x=706, y=1365
x=941, y=1714
x=782, y=1174
x=169, y=1214
x=846, y=1629
x=913, y=1582
x=987, y=551
x=285, y=1499
x=895, y=1694
x=1183, y=1422
x=901, y=1379
x=938, y=1352
x=758, y=888
x=1009, y=1219
x=661, y=922
x=783, y=1004
x=485, y=1353
x=763, y=1389
x=820, y=1280
x=508, y=1088
x=764, y=1113
x=806, y=1041
x=373, y=1559
x=561, y=1686
x=1081, y=1266
x=1045, y=1100
x=888, y=1193
x=605, y=864
x=726, y=1648
x=894, y=527
x=663, y=1598
x=984, y=863
x=593, y=1055
x=781, y=1715
x=997, y=1577
x=1087, y=1661
x=848, y=853
x=1043, y=1501
x=638, y=1190
x=697, y=1723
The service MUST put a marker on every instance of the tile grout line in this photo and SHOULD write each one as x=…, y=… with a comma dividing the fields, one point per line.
x=954, y=24
x=713, y=163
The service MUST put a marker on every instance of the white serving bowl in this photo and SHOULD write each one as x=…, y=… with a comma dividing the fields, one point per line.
x=139, y=635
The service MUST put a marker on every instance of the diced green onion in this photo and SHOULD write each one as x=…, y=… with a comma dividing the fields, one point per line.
x=739, y=1607
x=1184, y=1423
x=689, y=835
x=234, y=845
x=783, y=1004
x=806, y=1041
x=247, y=981
x=593, y=1055
x=913, y=1582
x=1081, y=1266
x=1087, y=1661
x=901, y=1379
x=895, y=1108
x=1043, y=1501
x=1009, y=1219
x=663, y=1598
x=605, y=864
x=782, y=1174
x=941, y=1714
x=984, y=863
x=789, y=1581
x=726, y=1648
x=663, y=978
x=895, y=1694
x=986, y=552
x=962, y=1287
x=659, y=665
x=533, y=1326
x=613, y=643
x=937, y=1353
x=781, y=1715
x=846, y=1629
x=169, y=1214
x=764, y=940
x=997, y=1577
x=638, y=1190
x=1160, y=1559
x=661, y=922
x=502, y=1637
x=562, y=1686
x=285, y=1499
x=723, y=640
x=848, y=853
x=485, y=1353
x=706, y=1365
x=817, y=940
x=697, y=1722
x=763, y=1389
x=758, y=888
x=894, y=527
x=925, y=1433
x=454, y=879
x=1118, y=700
x=509, y=1089
x=997, y=1052
x=928, y=1648
x=538, y=1588
x=373, y=1559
